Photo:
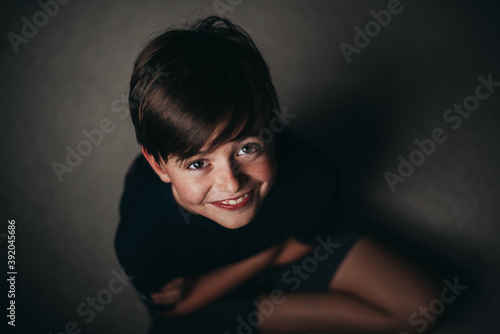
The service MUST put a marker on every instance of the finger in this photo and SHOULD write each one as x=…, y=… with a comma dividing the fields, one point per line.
x=178, y=281
x=175, y=283
x=172, y=292
x=172, y=283
x=166, y=298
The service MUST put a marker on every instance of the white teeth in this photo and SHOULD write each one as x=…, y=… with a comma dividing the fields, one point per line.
x=234, y=202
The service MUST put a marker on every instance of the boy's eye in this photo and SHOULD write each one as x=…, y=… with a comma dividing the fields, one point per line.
x=249, y=149
x=198, y=164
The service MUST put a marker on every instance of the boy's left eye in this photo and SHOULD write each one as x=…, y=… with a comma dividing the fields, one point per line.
x=198, y=164
x=249, y=149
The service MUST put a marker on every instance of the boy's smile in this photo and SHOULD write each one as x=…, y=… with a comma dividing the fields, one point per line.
x=235, y=203
x=226, y=185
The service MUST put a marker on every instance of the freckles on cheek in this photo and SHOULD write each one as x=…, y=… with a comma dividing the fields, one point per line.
x=192, y=192
x=265, y=169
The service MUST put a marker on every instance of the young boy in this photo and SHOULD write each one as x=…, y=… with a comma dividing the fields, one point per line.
x=227, y=219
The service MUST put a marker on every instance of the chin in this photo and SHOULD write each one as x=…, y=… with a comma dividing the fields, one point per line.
x=234, y=224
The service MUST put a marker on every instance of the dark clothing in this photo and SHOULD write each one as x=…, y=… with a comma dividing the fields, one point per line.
x=157, y=241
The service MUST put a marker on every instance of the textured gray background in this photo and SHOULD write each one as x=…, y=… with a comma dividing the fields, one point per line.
x=364, y=114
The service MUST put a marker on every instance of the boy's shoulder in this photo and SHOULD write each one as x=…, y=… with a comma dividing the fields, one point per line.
x=140, y=204
x=141, y=182
x=142, y=235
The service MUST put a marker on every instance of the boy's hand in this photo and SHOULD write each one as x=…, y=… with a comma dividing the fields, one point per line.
x=174, y=291
x=292, y=251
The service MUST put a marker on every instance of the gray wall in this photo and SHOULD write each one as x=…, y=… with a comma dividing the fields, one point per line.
x=73, y=74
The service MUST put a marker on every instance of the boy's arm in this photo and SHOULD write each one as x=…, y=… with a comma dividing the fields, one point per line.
x=214, y=284
x=210, y=286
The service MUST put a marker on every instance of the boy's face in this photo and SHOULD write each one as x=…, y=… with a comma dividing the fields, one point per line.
x=227, y=185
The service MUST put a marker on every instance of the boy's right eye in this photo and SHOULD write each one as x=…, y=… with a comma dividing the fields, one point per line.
x=198, y=164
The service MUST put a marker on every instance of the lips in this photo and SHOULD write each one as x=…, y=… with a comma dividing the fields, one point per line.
x=235, y=203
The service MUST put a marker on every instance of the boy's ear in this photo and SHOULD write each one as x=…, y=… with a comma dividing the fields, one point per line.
x=159, y=170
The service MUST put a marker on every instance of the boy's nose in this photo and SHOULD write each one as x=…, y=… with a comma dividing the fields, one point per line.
x=229, y=179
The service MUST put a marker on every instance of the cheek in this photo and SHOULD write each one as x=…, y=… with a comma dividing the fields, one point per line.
x=192, y=190
x=263, y=169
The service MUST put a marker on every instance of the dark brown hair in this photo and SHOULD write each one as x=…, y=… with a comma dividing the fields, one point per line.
x=191, y=84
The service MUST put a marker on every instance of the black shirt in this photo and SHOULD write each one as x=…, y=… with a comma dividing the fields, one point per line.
x=157, y=240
